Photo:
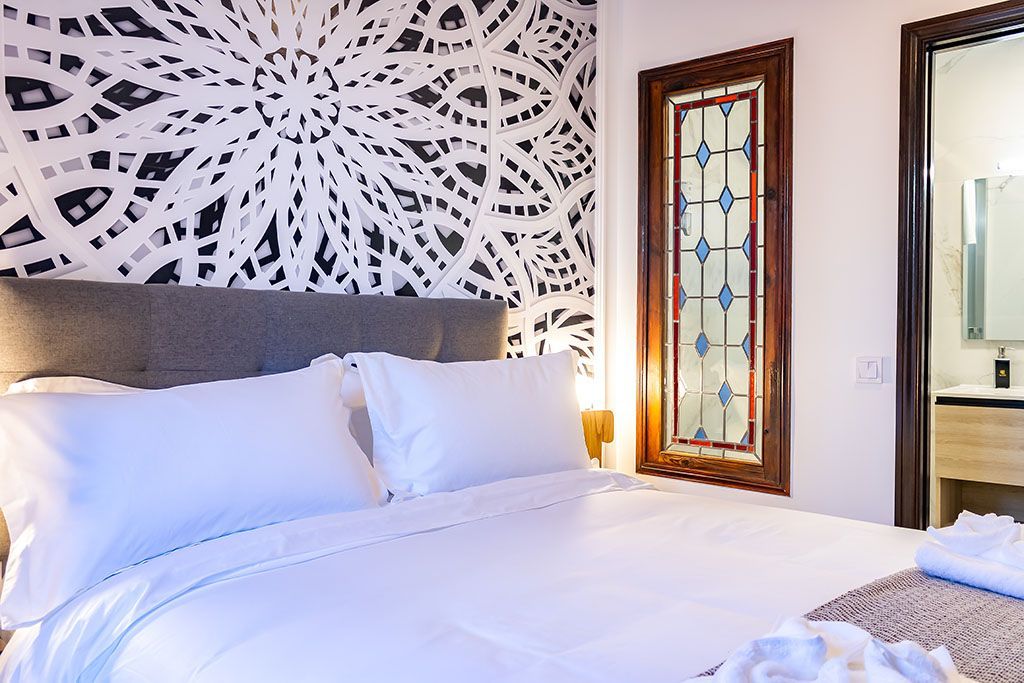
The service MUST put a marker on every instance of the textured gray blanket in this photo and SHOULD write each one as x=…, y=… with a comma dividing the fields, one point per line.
x=983, y=631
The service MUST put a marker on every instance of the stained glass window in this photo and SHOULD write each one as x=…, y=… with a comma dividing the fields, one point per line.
x=714, y=266
x=714, y=344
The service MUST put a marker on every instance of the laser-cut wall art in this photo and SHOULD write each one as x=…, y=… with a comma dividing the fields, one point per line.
x=436, y=148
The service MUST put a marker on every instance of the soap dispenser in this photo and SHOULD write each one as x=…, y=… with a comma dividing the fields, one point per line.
x=1002, y=369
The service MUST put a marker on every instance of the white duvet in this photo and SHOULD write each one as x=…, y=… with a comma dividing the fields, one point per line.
x=577, y=576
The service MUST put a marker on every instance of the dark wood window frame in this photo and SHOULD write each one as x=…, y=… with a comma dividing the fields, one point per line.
x=920, y=39
x=774, y=62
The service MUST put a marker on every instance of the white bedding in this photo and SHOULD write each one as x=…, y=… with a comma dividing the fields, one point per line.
x=575, y=576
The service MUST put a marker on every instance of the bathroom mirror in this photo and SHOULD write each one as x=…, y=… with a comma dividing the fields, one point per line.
x=993, y=258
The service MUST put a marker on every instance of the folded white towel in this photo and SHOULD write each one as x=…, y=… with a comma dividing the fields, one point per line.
x=973, y=534
x=1011, y=554
x=982, y=551
x=833, y=652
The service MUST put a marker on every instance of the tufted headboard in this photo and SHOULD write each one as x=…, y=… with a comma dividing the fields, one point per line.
x=155, y=336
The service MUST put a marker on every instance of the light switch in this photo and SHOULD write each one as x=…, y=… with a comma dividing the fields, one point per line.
x=869, y=370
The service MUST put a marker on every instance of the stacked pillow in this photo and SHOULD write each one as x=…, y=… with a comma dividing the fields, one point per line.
x=96, y=477
x=447, y=426
x=91, y=484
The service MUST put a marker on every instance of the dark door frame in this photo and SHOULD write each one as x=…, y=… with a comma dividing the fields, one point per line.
x=920, y=40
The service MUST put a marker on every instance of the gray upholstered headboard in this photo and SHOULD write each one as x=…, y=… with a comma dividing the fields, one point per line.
x=155, y=336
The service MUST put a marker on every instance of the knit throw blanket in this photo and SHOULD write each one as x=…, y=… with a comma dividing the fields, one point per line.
x=983, y=631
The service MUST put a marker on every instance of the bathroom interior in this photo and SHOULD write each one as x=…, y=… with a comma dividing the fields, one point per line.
x=977, y=279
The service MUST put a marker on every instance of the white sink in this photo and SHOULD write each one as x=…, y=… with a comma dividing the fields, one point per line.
x=980, y=391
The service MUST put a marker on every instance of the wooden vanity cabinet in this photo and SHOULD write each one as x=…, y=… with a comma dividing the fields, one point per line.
x=979, y=457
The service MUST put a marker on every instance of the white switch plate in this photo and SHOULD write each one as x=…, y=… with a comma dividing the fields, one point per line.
x=869, y=370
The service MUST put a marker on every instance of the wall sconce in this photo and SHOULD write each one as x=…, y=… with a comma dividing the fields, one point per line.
x=598, y=425
x=598, y=429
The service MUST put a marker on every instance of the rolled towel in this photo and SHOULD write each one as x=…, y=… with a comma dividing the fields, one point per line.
x=833, y=652
x=982, y=551
x=977, y=570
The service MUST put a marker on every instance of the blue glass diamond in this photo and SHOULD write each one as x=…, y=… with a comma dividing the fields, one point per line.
x=725, y=393
x=701, y=434
x=703, y=154
x=682, y=115
x=746, y=246
x=726, y=108
x=702, y=345
x=703, y=249
x=725, y=297
x=746, y=346
x=746, y=438
x=726, y=200
x=682, y=296
x=746, y=148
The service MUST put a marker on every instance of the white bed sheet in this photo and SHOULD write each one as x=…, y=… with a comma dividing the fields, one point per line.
x=579, y=576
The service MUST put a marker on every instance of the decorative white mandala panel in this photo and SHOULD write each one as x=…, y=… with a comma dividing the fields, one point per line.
x=419, y=148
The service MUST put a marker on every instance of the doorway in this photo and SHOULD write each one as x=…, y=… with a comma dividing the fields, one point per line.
x=960, y=403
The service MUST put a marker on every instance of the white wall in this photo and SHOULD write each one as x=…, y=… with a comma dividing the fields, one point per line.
x=979, y=97
x=844, y=222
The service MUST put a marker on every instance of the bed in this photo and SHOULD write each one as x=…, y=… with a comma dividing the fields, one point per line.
x=584, y=575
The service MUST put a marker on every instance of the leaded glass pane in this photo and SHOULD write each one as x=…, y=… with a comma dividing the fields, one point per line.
x=715, y=281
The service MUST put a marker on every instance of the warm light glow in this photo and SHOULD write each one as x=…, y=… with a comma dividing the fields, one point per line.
x=586, y=391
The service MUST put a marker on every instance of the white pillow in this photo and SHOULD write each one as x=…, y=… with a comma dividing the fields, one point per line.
x=91, y=484
x=353, y=398
x=351, y=393
x=446, y=426
x=67, y=385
